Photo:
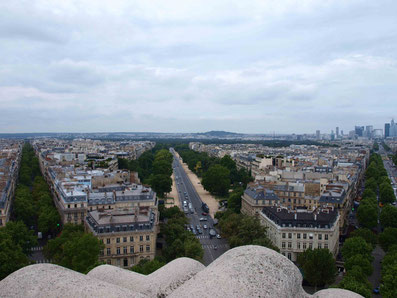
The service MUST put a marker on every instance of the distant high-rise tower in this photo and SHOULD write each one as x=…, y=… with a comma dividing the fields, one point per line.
x=337, y=132
x=387, y=130
x=341, y=132
x=317, y=134
x=332, y=135
x=359, y=130
x=368, y=131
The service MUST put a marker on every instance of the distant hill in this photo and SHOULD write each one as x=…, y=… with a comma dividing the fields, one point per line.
x=219, y=133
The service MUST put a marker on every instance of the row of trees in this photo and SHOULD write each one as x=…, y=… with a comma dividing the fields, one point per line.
x=154, y=167
x=388, y=240
x=356, y=253
x=32, y=209
x=33, y=204
x=377, y=181
x=218, y=174
x=179, y=242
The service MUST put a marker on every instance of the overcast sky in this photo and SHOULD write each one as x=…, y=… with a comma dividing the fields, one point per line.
x=192, y=66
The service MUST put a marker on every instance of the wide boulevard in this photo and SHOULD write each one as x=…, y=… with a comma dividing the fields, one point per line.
x=213, y=247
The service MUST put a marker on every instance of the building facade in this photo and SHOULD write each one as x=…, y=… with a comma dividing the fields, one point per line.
x=295, y=231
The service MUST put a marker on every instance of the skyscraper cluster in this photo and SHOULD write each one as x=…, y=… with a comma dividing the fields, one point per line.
x=390, y=129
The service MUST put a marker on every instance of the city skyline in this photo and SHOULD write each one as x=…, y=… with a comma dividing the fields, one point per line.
x=262, y=67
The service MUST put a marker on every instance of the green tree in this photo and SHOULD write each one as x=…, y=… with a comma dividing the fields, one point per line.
x=20, y=235
x=12, y=257
x=228, y=163
x=388, y=238
x=371, y=184
x=161, y=184
x=318, y=266
x=48, y=220
x=388, y=217
x=370, y=193
x=388, y=288
x=386, y=193
x=361, y=261
x=234, y=201
x=217, y=180
x=367, y=235
x=367, y=215
x=193, y=249
x=74, y=249
x=146, y=267
x=24, y=208
x=356, y=246
x=357, y=286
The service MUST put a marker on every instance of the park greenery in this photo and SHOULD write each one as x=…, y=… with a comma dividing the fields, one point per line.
x=74, y=249
x=218, y=174
x=318, y=266
x=154, y=168
x=178, y=241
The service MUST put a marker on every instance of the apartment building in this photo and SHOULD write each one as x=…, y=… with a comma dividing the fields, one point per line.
x=295, y=231
x=256, y=197
x=128, y=234
x=10, y=159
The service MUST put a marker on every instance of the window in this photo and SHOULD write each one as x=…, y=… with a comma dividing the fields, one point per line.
x=101, y=252
x=304, y=245
x=319, y=237
x=298, y=235
x=147, y=237
x=289, y=255
x=289, y=244
x=118, y=250
x=326, y=245
x=141, y=238
x=68, y=205
x=117, y=240
x=283, y=235
x=289, y=235
x=75, y=205
x=124, y=239
x=304, y=235
x=283, y=245
x=310, y=245
x=326, y=236
x=82, y=215
x=108, y=251
x=131, y=249
x=131, y=238
x=125, y=262
x=319, y=245
x=125, y=250
x=299, y=245
x=140, y=248
x=147, y=247
x=108, y=241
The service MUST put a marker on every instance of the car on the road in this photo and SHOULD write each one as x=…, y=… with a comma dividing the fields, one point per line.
x=204, y=213
x=194, y=231
x=212, y=233
x=218, y=236
x=199, y=231
x=205, y=227
x=376, y=290
x=192, y=227
x=203, y=218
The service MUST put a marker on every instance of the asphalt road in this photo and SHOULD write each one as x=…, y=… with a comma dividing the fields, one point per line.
x=214, y=247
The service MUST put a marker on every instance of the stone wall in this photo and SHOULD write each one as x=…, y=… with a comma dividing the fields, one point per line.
x=247, y=271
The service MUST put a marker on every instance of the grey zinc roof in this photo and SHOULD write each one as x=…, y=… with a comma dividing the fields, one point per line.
x=262, y=194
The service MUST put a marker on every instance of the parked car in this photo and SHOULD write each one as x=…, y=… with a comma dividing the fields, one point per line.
x=204, y=213
x=376, y=290
x=205, y=227
x=203, y=218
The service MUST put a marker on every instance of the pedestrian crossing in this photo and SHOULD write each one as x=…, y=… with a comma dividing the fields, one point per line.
x=42, y=261
x=211, y=246
x=37, y=248
x=202, y=236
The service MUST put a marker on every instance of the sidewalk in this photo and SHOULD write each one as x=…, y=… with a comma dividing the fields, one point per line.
x=205, y=196
x=173, y=194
